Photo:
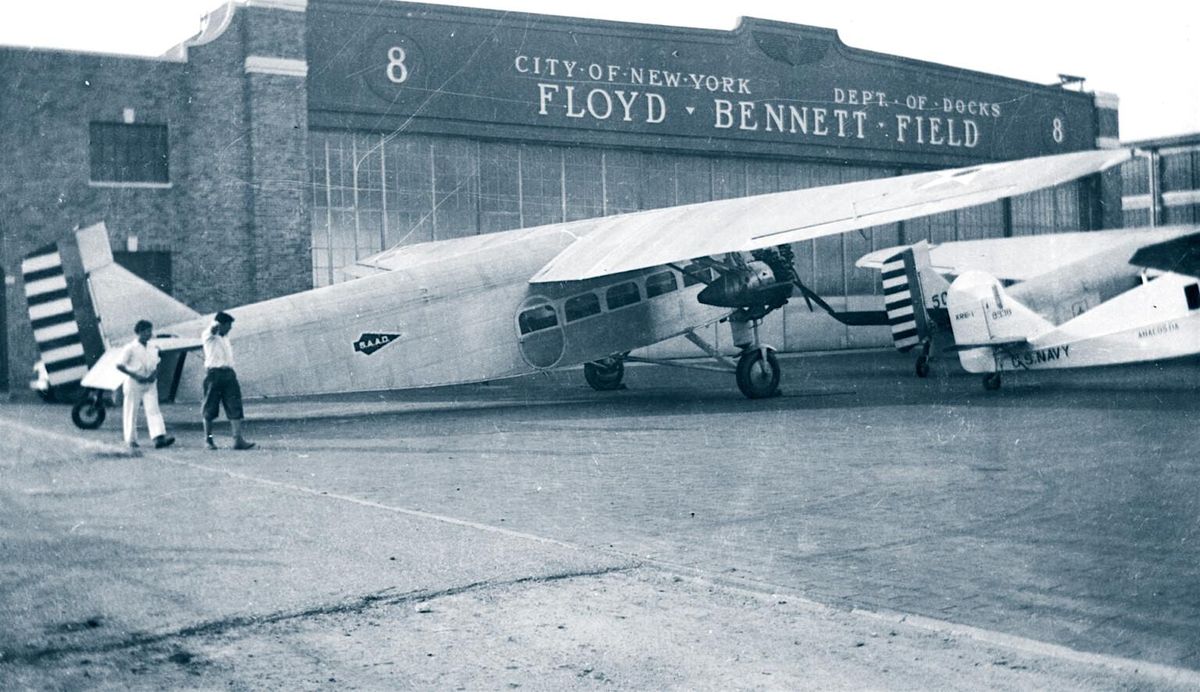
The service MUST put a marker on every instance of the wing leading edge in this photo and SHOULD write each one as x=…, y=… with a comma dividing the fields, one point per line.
x=1181, y=255
x=639, y=240
x=104, y=374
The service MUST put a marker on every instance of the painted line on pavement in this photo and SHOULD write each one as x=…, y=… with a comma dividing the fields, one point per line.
x=106, y=448
x=379, y=505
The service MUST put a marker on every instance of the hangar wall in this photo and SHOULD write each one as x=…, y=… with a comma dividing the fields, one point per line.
x=297, y=136
x=445, y=121
x=1163, y=187
x=224, y=201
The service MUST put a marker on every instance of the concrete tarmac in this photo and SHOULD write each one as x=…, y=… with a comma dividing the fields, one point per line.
x=865, y=529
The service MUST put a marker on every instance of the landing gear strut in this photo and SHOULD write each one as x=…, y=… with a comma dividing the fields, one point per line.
x=757, y=369
x=605, y=375
x=922, y=366
x=991, y=381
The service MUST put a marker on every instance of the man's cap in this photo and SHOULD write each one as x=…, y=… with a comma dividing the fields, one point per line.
x=224, y=318
x=142, y=324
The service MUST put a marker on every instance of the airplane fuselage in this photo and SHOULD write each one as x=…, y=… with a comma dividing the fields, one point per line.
x=460, y=311
x=1100, y=324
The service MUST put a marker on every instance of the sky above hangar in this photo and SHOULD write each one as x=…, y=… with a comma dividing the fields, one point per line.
x=1143, y=52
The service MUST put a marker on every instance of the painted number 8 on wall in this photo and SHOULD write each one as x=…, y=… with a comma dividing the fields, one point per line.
x=397, y=70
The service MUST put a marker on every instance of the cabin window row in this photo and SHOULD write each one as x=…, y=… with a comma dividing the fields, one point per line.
x=615, y=297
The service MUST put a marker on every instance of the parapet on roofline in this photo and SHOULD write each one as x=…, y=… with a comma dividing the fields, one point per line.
x=212, y=25
x=218, y=20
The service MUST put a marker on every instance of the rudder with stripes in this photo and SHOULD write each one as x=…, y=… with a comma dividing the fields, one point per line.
x=52, y=314
x=911, y=289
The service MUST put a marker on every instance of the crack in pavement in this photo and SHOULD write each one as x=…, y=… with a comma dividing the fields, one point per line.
x=357, y=605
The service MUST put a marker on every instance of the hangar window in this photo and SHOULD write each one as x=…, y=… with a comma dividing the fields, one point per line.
x=582, y=306
x=660, y=283
x=128, y=153
x=537, y=318
x=623, y=294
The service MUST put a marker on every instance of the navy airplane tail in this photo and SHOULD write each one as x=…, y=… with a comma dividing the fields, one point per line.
x=983, y=314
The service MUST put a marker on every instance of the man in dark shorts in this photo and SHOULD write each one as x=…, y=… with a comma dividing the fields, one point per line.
x=221, y=388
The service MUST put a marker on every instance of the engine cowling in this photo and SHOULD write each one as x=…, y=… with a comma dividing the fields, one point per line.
x=754, y=285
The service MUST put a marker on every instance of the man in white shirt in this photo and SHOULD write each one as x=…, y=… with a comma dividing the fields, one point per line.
x=221, y=388
x=139, y=362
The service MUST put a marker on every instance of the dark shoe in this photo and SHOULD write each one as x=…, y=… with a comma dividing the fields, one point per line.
x=208, y=442
x=132, y=444
x=163, y=441
x=242, y=444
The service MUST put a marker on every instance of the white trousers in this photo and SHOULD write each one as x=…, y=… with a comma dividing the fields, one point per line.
x=136, y=395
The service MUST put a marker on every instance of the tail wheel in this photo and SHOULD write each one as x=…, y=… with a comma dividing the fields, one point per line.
x=991, y=381
x=88, y=413
x=758, y=373
x=604, y=375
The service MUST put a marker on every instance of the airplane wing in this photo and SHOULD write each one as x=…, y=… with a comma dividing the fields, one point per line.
x=104, y=374
x=1180, y=255
x=615, y=244
x=1021, y=258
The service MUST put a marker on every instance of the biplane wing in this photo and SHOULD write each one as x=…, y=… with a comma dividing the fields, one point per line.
x=1179, y=255
x=616, y=244
x=613, y=244
x=1021, y=258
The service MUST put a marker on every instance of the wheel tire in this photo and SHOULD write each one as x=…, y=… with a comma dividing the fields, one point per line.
x=604, y=377
x=88, y=414
x=757, y=377
x=991, y=381
x=922, y=366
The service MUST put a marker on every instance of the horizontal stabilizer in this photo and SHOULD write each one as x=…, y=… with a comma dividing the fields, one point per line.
x=104, y=374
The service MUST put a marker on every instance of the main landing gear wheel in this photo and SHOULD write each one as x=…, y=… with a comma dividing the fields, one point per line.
x=991, y=381
x=604, y=375
x=88, y=413
x=923, y=359
x=758, y=373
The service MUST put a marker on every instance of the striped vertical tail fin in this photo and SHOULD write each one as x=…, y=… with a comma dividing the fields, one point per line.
x=52, y=316
x=904, y=301
x=83, y=305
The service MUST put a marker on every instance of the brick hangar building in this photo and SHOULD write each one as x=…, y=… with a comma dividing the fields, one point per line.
x=289, y=138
